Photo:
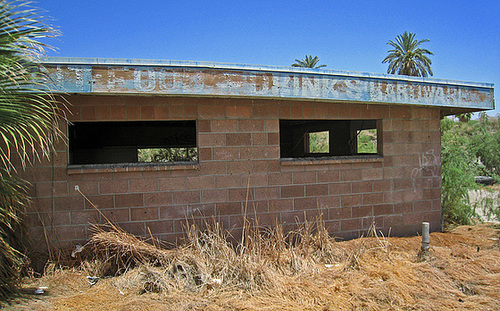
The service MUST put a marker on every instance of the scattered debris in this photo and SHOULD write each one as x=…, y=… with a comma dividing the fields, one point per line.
x=93, y=280
x=485, y=180
x=78, y=249
x=41, y=290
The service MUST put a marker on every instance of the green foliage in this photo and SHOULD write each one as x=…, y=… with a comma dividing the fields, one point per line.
x=406, y=58
x=28, y=122
x=468, y=149
x=308, y=62
x=367, y=141
x=486, y=144
x=167, y=155
x=458, y=169
x=319, y=142
x=464, y=117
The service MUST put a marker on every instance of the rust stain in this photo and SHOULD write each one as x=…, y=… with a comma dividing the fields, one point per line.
x=259, y=83
x=416, y=90
x=263, y=82
x=211, y=78
x=340, y=87
x=383, y=87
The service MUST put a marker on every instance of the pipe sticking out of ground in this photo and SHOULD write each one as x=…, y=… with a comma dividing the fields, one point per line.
x=425, y=236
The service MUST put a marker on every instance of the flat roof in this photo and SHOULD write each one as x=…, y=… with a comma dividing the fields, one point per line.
x=193, y=78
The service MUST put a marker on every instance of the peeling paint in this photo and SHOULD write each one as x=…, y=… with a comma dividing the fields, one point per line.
x=286, y=84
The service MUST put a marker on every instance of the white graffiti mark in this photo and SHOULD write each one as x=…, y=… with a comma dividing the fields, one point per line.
x=428, y=164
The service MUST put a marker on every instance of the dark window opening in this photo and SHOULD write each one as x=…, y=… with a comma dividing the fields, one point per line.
x=328, y=138
x=132, y=142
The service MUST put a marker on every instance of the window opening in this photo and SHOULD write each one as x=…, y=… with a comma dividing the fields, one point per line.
x=367, y=141
x=158, y=155
x=132, y=142
x=328, y=138
x=318, y=142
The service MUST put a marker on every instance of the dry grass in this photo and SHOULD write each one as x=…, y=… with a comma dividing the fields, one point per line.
x=270, y=270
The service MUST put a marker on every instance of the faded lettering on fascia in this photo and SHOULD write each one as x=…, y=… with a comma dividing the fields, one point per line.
x=78, y=72
x=113, y=81
x=475, y=96
x=343, y=89
x=59, y=76
x=144, y=80
x=165, y=80
x=310, y=88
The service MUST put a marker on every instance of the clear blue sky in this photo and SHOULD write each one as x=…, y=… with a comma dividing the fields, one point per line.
x=345, y=35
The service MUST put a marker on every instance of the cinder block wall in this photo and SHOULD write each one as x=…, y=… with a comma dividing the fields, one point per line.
x=239, y=167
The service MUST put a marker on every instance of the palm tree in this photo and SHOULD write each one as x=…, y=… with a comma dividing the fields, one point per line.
x=29, y=117
x=308, y=62
x=407, y=58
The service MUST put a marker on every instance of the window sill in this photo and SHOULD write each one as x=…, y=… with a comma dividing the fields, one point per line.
x=131, y=167
x=331, y=160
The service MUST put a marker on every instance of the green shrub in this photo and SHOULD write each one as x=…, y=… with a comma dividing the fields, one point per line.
x=468, y=148
x=458, y=170
x=486, y=144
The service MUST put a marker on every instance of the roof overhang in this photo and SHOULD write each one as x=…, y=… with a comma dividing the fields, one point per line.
x=188, y=78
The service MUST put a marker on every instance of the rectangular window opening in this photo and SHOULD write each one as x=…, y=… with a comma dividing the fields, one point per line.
x=329, y=138
x=132, y=142
x=367, y=141
x=318, y=142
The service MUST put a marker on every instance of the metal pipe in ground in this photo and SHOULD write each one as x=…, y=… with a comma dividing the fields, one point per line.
x=425, y=236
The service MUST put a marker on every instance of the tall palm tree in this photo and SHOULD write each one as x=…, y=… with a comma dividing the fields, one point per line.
x=308, y=62
x=407, y=58
x=29, y=117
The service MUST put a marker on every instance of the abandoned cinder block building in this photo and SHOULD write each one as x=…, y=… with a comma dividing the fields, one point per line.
x=235, y=139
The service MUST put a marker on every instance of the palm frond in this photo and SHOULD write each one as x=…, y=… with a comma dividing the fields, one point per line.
x=406, y=58
x=29, y=113
x=29, y=116
x=308, y=62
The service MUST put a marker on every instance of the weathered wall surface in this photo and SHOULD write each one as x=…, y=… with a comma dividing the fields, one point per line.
x=191, y=78
x=239, y=167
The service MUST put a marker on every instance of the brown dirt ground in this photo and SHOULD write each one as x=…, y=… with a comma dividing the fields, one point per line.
x=461, y=271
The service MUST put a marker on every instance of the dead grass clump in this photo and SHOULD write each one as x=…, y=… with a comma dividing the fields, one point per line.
x=113, y=253
x=122, y=251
